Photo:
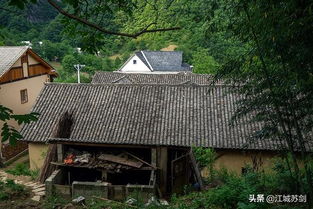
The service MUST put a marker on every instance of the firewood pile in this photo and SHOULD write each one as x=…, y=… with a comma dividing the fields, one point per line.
x=48, y=168
x=114, y=163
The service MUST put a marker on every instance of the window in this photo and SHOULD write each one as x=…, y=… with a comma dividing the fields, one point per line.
x=24, y=96
x=134, y=61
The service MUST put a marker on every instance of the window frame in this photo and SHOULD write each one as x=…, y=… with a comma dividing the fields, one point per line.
x=24, y=93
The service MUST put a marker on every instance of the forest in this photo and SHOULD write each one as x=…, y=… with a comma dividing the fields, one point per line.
x=56, y=38
x=263, y=48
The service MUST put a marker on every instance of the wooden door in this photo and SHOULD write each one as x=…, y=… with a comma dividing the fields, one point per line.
x=179, y=174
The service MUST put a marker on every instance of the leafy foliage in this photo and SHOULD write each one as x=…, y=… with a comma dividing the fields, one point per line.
x=21, y=3
x=204, y=156
x=203, y=48
x=234, y=190
x=9, y=190
x=204, y=64
x=22, y=169
x=274, y=73
x=8, y=132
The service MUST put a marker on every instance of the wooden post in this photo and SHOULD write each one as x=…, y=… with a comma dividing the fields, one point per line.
x=196, y=169
x=163, y=169
x=104, y=175
x=60, y=152
x=153, y=156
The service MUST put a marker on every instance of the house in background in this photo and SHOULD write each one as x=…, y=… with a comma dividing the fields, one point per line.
x=156, y=62
x=22, y=76
x=152, y=78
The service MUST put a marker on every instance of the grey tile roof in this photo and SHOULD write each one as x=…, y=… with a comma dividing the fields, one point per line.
x=164, y=60
x=168, y=115
x=140, y=78
x=9, y=55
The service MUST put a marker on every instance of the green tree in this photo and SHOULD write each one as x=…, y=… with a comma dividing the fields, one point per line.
x=92, y=63
x=274, y=73
x=203, y=63
x=98, y=16
x=52, y=51
x=8, y=132
x=68, y=63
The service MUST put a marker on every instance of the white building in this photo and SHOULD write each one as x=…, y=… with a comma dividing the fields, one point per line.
x=156, y=62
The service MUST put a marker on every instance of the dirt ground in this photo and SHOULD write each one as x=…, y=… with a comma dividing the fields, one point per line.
x=21, y=202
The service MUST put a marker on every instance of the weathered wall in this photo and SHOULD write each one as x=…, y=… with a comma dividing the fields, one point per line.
x=10, y=93
x=90, y=189
x=37, y=154
x=235, y=160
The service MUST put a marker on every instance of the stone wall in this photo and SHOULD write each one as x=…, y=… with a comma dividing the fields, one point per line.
x=90, y=189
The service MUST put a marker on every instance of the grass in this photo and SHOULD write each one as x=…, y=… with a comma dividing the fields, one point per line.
x=10, y=190
x=22, y=169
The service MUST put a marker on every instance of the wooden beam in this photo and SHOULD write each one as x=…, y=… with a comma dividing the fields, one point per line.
x=60, y=152
x=137, y=158
x=152, y=178
x=120, y=160
x=104, y=145
x=153, y=157
x=163, y=157
x=196, y=169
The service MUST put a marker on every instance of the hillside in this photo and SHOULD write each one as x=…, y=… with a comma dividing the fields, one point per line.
x=40, y=25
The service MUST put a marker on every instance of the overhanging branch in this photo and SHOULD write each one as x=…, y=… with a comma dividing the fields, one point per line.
x=103, y=30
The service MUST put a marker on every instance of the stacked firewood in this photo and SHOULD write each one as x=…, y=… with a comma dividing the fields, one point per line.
x=109, y=162
x=48, y=168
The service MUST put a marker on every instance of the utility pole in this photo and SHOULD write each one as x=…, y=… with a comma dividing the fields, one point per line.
x=78, y=67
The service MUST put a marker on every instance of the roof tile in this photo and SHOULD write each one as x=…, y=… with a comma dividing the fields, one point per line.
x=140, y=78
x=9, y=55
x=175, y=115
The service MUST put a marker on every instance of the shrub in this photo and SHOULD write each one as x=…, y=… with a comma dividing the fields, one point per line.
x=54, y=200
x=9, y=190
x=14, y=187
x=206, y=158
x=19, y=170
x=22, y=169
x=234, y=190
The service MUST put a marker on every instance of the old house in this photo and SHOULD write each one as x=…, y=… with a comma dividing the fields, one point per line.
x=181, y=78
x=22, y=76
x=121, y=137
x=155, y=62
